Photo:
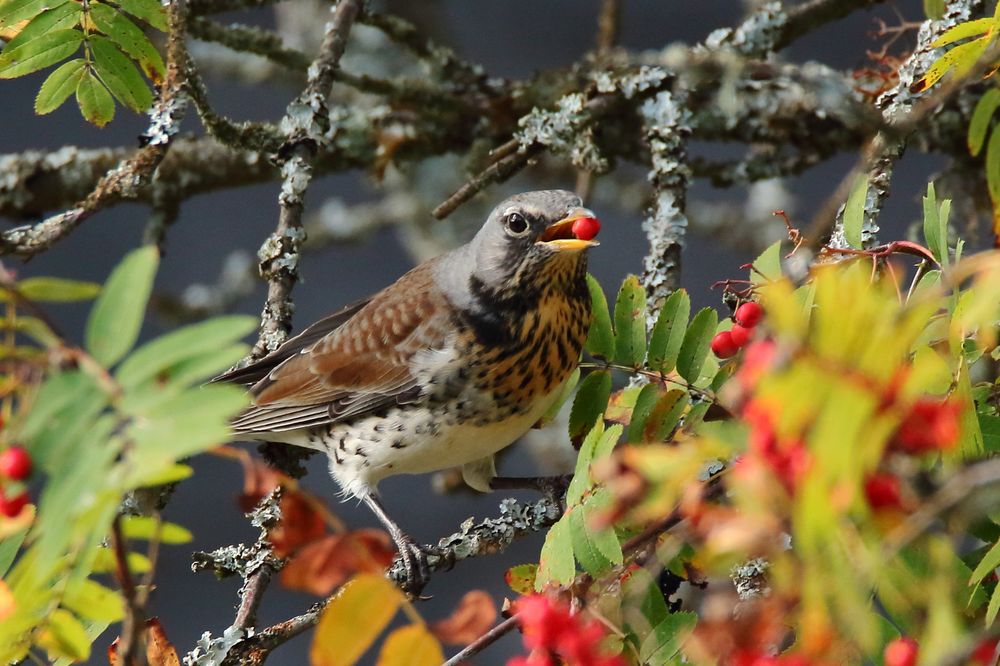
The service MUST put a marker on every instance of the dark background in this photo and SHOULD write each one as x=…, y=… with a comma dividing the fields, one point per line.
x=510, y=38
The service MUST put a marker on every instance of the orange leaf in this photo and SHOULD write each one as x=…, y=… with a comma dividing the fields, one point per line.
x=353, y=620
x=474, y=616
x=159, y=650
x=6, y=601
x=321, y=566
x=411, y=645
x=300, y=523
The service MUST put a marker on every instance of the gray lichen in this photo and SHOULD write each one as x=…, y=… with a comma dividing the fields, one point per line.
x=212, y=651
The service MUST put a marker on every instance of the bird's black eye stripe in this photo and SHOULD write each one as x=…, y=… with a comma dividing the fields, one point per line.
x=516, y=224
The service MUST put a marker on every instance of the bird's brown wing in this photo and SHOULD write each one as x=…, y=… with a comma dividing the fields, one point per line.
x=362, y=366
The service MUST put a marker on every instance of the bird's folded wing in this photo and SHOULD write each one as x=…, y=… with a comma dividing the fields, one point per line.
x=361, y=367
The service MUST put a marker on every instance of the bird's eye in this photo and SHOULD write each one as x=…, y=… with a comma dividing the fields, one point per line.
x=516, y=224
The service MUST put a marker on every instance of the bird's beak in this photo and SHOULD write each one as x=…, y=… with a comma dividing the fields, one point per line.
x=559, y=235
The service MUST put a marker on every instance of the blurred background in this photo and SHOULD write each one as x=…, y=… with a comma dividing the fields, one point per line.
x=221, y=232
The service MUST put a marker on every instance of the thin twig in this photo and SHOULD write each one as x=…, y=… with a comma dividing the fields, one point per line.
x=129, y=646
x=483, y=642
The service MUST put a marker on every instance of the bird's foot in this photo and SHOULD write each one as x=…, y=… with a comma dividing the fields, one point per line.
x=414, y=557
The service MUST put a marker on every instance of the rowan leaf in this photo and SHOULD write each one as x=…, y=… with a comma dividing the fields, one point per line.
x=353, y=620
x=411, y=645
x=601, y=337
x=150, y=11
x=116, y=317
x=630, y=323
x=990, y=561
x=666, y=639
x=665, y=415
x=147, y=528
x=61, y=16
x=556, y=564
x=56, y=290
x=96, y=104
x=644, y=403
x=474, y=616
x=119, y=75
x=767, y=266
x=581, y=481
x=13, y=12
x=39, y=53
x=694, y=348
x=129, y=38
x=963, y=31
x=64, y=636
x=979, y=123
x=521, y=578
x=668, y=332
x=93, y=601
x=590, y=402
x=584, y=549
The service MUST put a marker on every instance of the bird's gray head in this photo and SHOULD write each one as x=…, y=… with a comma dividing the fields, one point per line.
x=528, y=244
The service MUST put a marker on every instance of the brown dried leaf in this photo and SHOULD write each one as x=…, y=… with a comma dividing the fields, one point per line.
x=322, y=566
x=300, y=523
x=475, y=615
x=159, y=650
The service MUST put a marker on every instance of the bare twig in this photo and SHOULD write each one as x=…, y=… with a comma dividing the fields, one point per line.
x=130, y=644
x=483, y=642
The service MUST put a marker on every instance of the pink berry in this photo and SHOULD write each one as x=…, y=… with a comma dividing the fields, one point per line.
x=901, y=652
x=15, y=463
x=724, y=346
x=11, y=506
x=586, y=228
x=749, y=314
x=741, y=334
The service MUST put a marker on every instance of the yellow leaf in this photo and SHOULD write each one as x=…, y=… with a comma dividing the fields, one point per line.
x=963, y=31
x=412, y=645
x=6, y=601
x=353, y=620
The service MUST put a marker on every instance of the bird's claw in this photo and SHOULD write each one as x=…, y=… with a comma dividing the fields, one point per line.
x=418, y=570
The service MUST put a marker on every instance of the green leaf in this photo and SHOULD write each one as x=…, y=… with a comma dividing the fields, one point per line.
x=608, y=442
x=556, y=564
x=91, y=600
x=993, y=167
x=668, y=332
x=129, y=39
x=105, y=562
x=630, y=323
x=13, y=12
x=990, y=561
x=150, y=11
x=590, y=402
x=648, y=397
x=116, y=318
x=96, y=104
x=56, y=290
x=854, y=211
x=584, y=549
x=146, y=528
x=990, y=427
x=665, y=415
x=64, y=636
x=120, y=75
x=963, y=31
x=169, y=474
x=993, y=607
x=600, y=338
x=9, y=546
x=979, y=124
x=64, y=15
x=596, y=508
x=60, y=84
x=767, y=267
x=666, y=639
x=581, y=482
x=39, y=53
x=696, y=344
x=151, y=359
x=521, y=578
x=643, y=606
x=934, y=9
x=935, y=233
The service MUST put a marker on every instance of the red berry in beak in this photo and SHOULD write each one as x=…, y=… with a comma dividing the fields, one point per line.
x=15, y=463
x=723, y=345
x=586, y=228
x=749, y=314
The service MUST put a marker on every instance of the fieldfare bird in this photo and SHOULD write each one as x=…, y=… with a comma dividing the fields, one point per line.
x=445, y=367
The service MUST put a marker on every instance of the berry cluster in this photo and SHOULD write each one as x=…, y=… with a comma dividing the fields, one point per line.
x=550, y=629
x=15, y=466
x=904, y=651
x=728, y=343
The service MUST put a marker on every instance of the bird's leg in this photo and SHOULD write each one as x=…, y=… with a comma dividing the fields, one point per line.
x=413, y=554
x=552, y=488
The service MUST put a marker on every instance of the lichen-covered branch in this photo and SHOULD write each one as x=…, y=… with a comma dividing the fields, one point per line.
x=488, y=537
x=306, y=127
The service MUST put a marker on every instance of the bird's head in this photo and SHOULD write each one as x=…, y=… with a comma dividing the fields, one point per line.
x=533, y=241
